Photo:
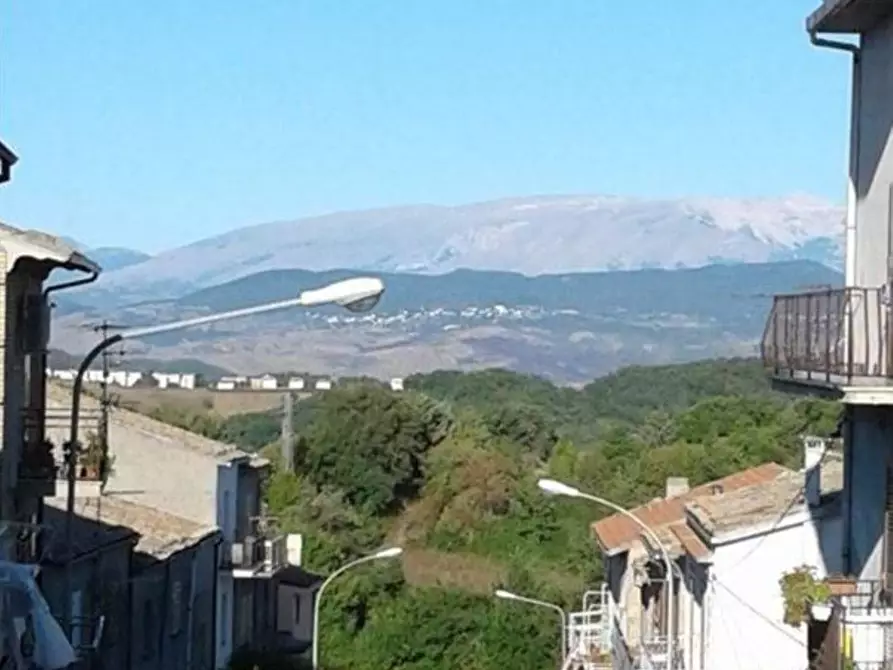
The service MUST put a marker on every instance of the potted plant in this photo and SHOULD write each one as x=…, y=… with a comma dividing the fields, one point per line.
x=94, y=463
x=804, y=595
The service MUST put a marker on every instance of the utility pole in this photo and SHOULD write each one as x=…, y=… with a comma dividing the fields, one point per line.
x=287, y=436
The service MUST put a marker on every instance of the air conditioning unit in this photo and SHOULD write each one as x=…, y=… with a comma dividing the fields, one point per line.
x=237, y=553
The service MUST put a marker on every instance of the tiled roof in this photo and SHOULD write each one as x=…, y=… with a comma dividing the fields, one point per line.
x=617, y=532
x=762, y=502
x=159, y=534
x=88, y=534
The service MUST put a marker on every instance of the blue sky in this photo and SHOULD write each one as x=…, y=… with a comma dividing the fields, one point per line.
x=153, y=124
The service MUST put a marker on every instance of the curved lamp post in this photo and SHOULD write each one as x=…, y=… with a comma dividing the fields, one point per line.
x=554, y=487
x=358, y=294
x=508, y=595
x=393, y=552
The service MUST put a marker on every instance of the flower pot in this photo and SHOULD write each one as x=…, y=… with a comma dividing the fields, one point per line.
x=821, y=611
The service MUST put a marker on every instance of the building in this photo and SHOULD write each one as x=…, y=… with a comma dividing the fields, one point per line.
x=731, y=542
x=323, y=385
x=143, y=584
x=296, y=383
x=231, y=383
x=28, y=472
x=214, y=485
x=263, y=383
x=174, y=379
x=397, y=384
x=837, y=342
x=635, y=575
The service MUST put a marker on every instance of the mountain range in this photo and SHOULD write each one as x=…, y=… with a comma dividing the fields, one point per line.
x=534, y=235
x=569, y=327
x=569, y=287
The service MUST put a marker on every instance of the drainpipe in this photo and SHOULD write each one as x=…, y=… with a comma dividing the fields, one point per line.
x=855, y=145
x=38, y=371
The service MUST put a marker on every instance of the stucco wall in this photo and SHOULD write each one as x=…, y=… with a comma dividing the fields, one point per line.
x=746, y=603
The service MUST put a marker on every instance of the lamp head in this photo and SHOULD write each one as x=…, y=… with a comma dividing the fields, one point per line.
x=393, y=552
x=505, y=595
x=358, y=294
x=557, y=488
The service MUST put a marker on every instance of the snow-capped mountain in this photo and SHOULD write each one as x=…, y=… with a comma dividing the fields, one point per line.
x=532, y=235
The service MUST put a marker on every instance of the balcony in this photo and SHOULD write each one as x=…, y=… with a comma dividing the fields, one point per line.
x=857, y=628
x=257, y=556
x=830, y=339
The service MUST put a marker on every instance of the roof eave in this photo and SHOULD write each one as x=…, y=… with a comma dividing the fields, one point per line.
x=846, y=17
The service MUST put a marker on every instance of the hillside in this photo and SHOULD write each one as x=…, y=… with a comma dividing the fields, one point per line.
x=447, y=470
x=568, y=327
x=534, y=235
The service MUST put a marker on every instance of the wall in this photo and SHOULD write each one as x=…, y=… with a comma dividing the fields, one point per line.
x=173, y=611
x=746, y=603
x=874, y=160
x=103, y=582
x=227, y=489
x=249, y=496
x=294, y=613
x=868, y=454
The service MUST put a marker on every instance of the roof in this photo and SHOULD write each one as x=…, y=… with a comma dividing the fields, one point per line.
x=43, y=247
x=89, y=535
x=160, y=534
x=764, y=502
x=156, y=464
x=848, y=16
x=8, y=158
x=294, y=575
x=617, y=532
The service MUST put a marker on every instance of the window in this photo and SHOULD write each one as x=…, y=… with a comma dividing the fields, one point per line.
x=296, y=608
x=176, y=612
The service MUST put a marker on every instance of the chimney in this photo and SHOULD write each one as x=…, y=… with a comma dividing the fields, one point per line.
x=676, y=486
x=813, y=449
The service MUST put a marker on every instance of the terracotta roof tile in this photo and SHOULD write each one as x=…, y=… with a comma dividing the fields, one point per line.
x=690, y=542
x=617, y=531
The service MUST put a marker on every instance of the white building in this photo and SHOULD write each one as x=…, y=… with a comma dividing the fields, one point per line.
x=731, y=542
x=397, y=384
x=296, y=383
x=174, y=379
x=263, y=383
x=323, y=385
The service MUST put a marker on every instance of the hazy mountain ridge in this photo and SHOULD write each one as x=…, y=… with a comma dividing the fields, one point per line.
x=568, y=327
x=536, y=235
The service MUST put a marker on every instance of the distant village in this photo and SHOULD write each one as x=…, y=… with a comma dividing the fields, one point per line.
x=191, y=382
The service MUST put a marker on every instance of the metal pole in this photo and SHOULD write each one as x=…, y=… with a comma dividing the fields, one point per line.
x=542, y=603
x=287, y=436
x=318, y=599
x=668, y=563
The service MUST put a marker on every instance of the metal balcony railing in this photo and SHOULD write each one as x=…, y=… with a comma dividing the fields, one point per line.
x=833, y=336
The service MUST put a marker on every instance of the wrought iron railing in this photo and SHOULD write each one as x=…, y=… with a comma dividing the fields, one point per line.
x=830, y=336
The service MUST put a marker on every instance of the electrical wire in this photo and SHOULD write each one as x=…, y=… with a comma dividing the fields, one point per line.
x=787, y=509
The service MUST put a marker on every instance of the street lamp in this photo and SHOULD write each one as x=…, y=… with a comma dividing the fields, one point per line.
x=358, y=294
x=393, y=552
x=554, y=487
x=508, y=595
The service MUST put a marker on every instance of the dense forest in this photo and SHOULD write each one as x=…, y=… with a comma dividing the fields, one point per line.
x=447, y=470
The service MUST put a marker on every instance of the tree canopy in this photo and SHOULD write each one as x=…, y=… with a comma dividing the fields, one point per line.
x=447, y=469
